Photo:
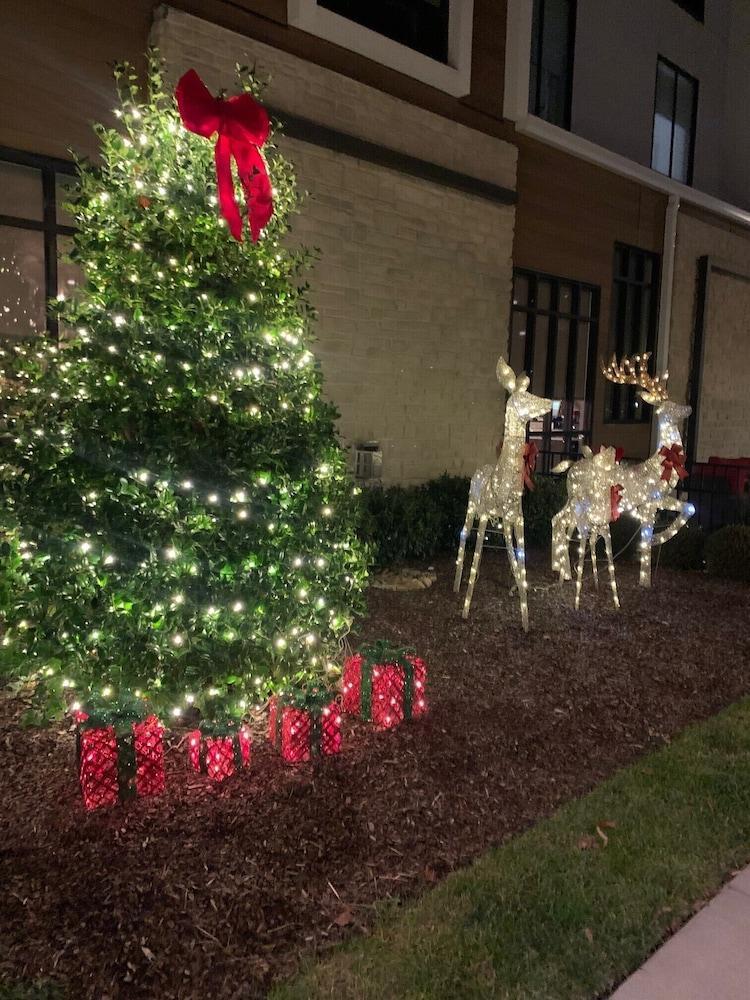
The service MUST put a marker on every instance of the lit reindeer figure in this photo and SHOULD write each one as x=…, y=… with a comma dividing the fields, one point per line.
x=648, y=487
x=594, y=495
x=496, y=490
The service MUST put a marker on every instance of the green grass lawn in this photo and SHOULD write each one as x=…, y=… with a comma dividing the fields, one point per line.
x=566, y=910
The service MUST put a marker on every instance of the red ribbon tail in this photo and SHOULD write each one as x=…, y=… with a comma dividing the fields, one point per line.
x=257, y=186
x=228, y=203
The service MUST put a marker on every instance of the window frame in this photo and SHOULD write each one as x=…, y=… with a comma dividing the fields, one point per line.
x=678, y=72
x=569, y=67
x=574, y=317
x=617, y=343
x=453, y=77
x=48, y=226
x=691, y=9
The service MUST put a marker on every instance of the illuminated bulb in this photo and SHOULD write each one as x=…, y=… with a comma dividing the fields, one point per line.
x=170, y=553
x=118, y=319
x=213, y=498
x=280, y=642
x=176, y=712
x=85, y=546
x=177, y=639
x=238, y=606
x=186, y=484
x=107, y=692
x=109, y=560
x=190, y=698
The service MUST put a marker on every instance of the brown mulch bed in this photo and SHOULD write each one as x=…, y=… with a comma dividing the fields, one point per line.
x=217, y=891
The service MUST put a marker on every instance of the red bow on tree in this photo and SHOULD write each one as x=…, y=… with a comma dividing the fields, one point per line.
x=619, y=455
x=615, y=497
x=673, y=460
x=530, y=451
x=242, y=126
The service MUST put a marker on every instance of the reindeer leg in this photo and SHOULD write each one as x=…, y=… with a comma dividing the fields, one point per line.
x=514, y=545
x=594, y=568
x=475, y=564
x=684, y=512
x=559, y=544
x=611, y=564
x=567, y=572
x=583, y=539
x=647, y=533
x=470, y=515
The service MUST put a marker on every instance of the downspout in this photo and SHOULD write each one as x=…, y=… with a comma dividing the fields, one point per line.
x=665, y=293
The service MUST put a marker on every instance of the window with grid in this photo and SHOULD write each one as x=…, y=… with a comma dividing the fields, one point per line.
x=553, y=338
x=635, y=305
x=551, y=64
x=421, y=25
x=675, y=116
x=35, y=233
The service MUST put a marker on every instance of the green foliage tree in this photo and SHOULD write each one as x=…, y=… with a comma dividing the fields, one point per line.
x=175, y=510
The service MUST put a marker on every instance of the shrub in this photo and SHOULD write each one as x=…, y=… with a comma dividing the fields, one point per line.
x=728, y=552
x=685, y=550
x=419, y=522
x=539, y=507
x=414, y=522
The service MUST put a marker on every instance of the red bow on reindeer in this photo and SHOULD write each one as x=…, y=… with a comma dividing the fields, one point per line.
x=615, y=499
x=242, y=126
x=673, y=460
x=530, y=451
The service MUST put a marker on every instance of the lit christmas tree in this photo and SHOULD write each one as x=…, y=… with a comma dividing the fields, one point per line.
x=177, y=519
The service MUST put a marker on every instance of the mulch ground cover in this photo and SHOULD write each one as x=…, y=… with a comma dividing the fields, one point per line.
x=217, y=891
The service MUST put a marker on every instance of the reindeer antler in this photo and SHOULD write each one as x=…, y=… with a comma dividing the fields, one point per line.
x=635, y=372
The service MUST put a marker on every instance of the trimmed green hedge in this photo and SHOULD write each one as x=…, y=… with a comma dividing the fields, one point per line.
x=404, y=523
x=728, y=552
x=686, y=550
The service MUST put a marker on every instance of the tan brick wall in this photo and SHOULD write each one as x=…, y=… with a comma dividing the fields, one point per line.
x=413, y=282
x=724, y=415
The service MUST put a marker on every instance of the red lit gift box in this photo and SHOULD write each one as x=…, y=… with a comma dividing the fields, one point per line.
x=385, y=685
x=120, y=753
x=304, y=724
x=219, y=749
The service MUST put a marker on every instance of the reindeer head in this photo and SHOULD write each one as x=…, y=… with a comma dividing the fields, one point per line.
x=525, y=405
x=653, y=388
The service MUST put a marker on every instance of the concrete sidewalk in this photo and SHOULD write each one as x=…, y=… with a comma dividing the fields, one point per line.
x=707, y=959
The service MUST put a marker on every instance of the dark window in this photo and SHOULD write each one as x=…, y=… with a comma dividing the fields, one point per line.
x=553, y=337
x=34, y=232
x=551, y=70
x=675, y=111
x=635, y=305
x=421, y=25
x=695, y=8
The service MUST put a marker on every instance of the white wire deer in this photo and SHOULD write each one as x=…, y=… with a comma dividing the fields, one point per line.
x=496, y=491
x=647, y=487
x=594, y=495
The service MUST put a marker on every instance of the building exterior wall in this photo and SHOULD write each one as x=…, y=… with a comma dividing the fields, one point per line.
x=569, y=216
x=413, y=283
x=724, y=412
x=56, y=73
x=614, y=81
